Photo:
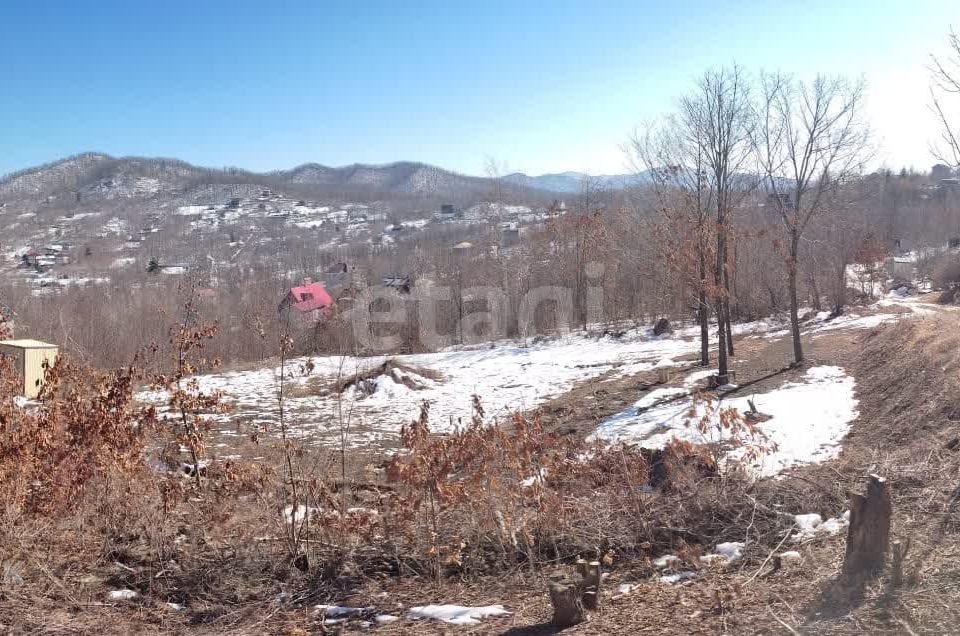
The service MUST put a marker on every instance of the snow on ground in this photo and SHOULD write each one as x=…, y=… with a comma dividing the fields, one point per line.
x=679, y=577
x=116, y=226
x=457, y=614
x=665, y=561
x=506, y=375
x=341, y=611
x=123, y=595
x=724, y=553
x=853, y=321
x=124, y=261
x=808, y=419
x=812, y=525
x=791, y=557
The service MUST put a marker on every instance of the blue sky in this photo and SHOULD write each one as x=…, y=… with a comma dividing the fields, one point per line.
x=542, y=87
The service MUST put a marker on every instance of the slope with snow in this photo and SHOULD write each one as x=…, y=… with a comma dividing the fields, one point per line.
x=507, y=376
x=807, y=419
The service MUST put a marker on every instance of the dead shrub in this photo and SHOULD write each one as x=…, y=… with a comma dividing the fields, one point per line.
x=86, y=426
x=946, y=271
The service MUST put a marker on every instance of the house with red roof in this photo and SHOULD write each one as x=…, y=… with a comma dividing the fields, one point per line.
x=310, y=303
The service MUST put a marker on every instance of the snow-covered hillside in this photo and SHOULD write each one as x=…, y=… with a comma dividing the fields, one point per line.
x=507, y=376
x=512, y=376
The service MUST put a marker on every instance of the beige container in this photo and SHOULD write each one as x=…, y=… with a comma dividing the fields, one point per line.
x=28, y=357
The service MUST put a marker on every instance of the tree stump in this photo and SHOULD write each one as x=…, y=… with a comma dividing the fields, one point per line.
x=566, y=598
x=661, y=327
x=868, y=538
x=590, y=573
x=896, y=567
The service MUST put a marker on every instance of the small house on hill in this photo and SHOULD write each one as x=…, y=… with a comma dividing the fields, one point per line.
x=309, y=303
x=29, y=357
x=336, y=278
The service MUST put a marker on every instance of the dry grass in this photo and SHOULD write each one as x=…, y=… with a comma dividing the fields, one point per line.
x=484, y=538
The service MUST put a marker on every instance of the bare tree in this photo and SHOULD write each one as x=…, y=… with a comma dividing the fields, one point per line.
x=672, y=158
x=718, y=116
x=811, y=139
x=946, y=86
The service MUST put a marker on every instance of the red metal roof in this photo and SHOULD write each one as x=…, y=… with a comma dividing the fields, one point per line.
x=310, y=297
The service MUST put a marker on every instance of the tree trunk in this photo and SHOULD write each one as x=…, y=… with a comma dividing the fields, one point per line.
x=727, y=296
x=841, y=299
x=723, y=369
x=794, y=304
x=726, y=306
x=815, y=290
x=868, y=537
x=702, y=314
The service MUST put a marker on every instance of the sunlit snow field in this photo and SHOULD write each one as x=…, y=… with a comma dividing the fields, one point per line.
x=809, y=416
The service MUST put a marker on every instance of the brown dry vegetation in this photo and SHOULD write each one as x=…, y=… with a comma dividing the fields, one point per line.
x=458, y=518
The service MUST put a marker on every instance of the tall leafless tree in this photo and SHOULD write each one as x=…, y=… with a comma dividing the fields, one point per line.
x=811, y=139
x=719, y=117
x=944, y=90
x=672, y=159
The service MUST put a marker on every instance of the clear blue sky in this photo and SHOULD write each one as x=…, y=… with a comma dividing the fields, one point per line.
x=541, y=86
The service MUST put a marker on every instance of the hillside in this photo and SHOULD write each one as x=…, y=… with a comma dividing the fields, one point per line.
x=99, y=175
x=402, y=177
x=677, y=545
x=573, y=182
x=93, y=219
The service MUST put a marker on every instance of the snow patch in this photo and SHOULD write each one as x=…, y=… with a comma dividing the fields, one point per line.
x=679, y=577
x=811, y=525
x=457, y=614
x=665, y=561
x=724, y=553
x=123, y=595
x=808, y=420
x=341, y=611
x=385, y=618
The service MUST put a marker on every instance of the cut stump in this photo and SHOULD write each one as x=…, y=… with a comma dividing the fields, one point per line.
x=565, y=596
x=868, y=537
x=590, y=573
x=899, y=557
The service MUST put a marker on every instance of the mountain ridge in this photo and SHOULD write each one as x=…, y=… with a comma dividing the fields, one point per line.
x=100, y=174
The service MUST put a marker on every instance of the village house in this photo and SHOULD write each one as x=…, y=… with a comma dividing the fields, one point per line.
x=557, y=208
x=309, y=303
x=900, y=268
x=447, y=213
x=940, y=172
x=45, y=258
x=401, y=284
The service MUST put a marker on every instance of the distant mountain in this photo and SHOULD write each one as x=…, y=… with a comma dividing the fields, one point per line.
x=573, y=182
x=405, y=177
x=100, y=176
